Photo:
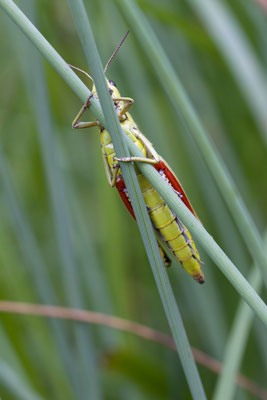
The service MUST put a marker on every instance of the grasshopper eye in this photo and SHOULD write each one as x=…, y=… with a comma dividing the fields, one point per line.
x=110, y=92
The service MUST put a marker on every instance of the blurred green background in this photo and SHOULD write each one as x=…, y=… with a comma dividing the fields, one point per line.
x=65, y=236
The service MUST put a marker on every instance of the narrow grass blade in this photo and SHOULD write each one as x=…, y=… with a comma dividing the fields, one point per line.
x=34, y=261
x=15, y=385
x=239, y=55
x=236, y=343
x=86, y=371
x=260, y=334
x=10, y=359
x=94, y=280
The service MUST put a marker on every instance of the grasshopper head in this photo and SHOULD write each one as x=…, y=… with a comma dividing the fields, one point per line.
x=113, y=91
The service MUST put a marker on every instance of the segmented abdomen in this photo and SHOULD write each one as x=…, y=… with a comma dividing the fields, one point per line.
x=167, y=225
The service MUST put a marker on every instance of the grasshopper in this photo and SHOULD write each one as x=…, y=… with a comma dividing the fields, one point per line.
x=166, y=224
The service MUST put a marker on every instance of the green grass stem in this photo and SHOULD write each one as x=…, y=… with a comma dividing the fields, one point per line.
x=239, y=55
x=15, y=385
x=236, y=344
x=62, y=226
x=34, y=261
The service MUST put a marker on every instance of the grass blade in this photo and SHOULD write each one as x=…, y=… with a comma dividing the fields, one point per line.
x=15, y=385
x=59, y=206
x=236, y=344
x=239, y=55
x=34, y=261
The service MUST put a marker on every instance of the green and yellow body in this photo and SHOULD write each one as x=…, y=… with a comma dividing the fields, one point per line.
x=166, y=224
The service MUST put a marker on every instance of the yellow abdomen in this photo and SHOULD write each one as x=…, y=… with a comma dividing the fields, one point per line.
x=171, y=230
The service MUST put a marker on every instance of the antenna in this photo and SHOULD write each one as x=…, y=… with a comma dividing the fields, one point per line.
x=80, y=70
x=116, y=51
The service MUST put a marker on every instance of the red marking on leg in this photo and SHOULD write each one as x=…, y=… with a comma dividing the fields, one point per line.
x=121, y=187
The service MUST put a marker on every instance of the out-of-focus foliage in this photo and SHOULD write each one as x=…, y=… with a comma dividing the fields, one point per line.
x=65, y=237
